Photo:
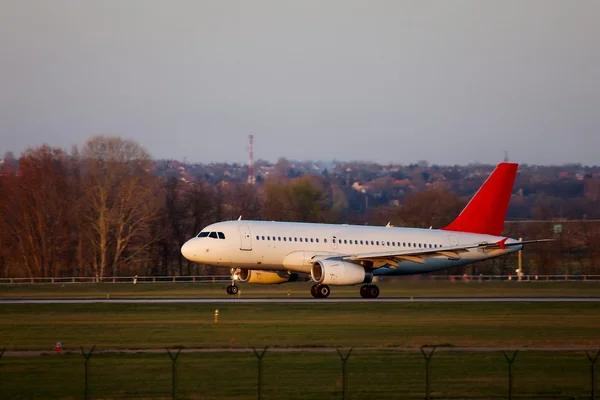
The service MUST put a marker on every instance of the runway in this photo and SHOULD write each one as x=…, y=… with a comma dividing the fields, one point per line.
x=285, y=300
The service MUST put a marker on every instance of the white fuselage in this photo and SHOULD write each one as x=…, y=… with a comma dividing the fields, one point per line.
x=291, y=246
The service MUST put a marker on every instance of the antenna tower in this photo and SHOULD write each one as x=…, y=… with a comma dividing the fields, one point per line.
x=251, y=176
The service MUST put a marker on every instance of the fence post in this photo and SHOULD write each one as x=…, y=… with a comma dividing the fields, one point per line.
x=510, y=361
x=593, y=371
x=427, y=358
x=259, y=356
x=344, y=362
x=87, y=357
x=174, y=361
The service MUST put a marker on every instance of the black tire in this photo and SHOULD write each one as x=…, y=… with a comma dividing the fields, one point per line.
x=313, y=291
x=234, y=289
x=228, y=289
x=363, y=292
x=323, y=291
x=373, y=291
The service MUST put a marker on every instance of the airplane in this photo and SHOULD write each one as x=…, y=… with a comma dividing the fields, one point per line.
x=268, y=252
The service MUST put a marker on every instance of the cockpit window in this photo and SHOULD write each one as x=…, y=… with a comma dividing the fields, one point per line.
x=213, y=235
x=221, y=235
x=203, y=234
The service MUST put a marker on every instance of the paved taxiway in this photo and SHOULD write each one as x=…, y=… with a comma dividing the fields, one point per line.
x=286, y=300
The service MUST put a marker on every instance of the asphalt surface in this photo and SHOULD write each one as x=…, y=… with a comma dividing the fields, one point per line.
x=309, y=300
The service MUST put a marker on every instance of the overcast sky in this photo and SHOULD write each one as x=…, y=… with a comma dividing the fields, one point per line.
x=390, y=81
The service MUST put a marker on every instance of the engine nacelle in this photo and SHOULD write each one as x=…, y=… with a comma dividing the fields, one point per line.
x=334, y=272
x=265, y=277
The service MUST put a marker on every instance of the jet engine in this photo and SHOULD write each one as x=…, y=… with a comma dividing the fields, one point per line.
x=336, y=272
x=265, y=277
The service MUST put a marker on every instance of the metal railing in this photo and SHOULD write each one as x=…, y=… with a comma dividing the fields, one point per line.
x=227, y=278
x=117, y=279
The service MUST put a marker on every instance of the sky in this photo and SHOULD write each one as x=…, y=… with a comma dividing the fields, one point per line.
x=450, y=82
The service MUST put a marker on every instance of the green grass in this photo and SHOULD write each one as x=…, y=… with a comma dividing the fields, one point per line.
x=141, y=326
x=398, y=288
x=305, y=375
x=385, y=363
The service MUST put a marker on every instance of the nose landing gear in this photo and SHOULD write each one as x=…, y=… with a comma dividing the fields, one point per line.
x=233, y=289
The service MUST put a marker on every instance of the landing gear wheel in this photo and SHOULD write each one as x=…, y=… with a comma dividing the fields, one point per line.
x=323, y=291
x=369, y=291
x=313, y=291
x=232, y=289
x=373, y=291
x=363, y=291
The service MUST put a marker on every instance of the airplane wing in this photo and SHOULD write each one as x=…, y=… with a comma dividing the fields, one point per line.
x=419, y=255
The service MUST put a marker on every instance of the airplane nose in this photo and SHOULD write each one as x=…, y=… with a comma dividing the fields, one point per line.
x=188, y=249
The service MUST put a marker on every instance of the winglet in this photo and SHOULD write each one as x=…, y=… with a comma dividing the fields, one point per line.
x=486, y=211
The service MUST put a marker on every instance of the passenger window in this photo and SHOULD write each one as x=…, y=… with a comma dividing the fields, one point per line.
x=213, y=235
x=345, y=241
x=324, y=240
x=268, y=237
x=284, y=239
x=333, y=240
x=263, y=238
x=300, y=239
x=306, y=240
x=203, y=234
x=394, y=244
x=317, y=239
x=221, y=235
x=257, y=237
x=372, y=243
x=311, y=240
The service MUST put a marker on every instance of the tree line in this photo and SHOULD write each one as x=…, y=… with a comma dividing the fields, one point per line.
x=102, y=212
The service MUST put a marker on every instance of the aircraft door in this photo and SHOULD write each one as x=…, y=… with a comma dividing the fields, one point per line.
x=453, y=240
x=245, y=238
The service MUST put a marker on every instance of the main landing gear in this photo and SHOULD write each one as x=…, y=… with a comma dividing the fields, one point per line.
x=369, y=291
x=320, y=291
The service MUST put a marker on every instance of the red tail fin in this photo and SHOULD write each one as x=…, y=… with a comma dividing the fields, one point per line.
x=486, y=211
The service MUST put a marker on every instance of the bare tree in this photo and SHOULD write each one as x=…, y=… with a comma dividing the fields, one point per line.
x=436, y=206
x=121, y=201
x=35, y=209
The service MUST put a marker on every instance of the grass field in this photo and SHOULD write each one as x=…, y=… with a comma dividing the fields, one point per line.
x=400, y=288
x=371, y=375
x=385, y=364
x=141, y=326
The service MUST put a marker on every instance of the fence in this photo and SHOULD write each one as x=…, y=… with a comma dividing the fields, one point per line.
x=118, y=279
x=344, y=379
x=227, y=278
